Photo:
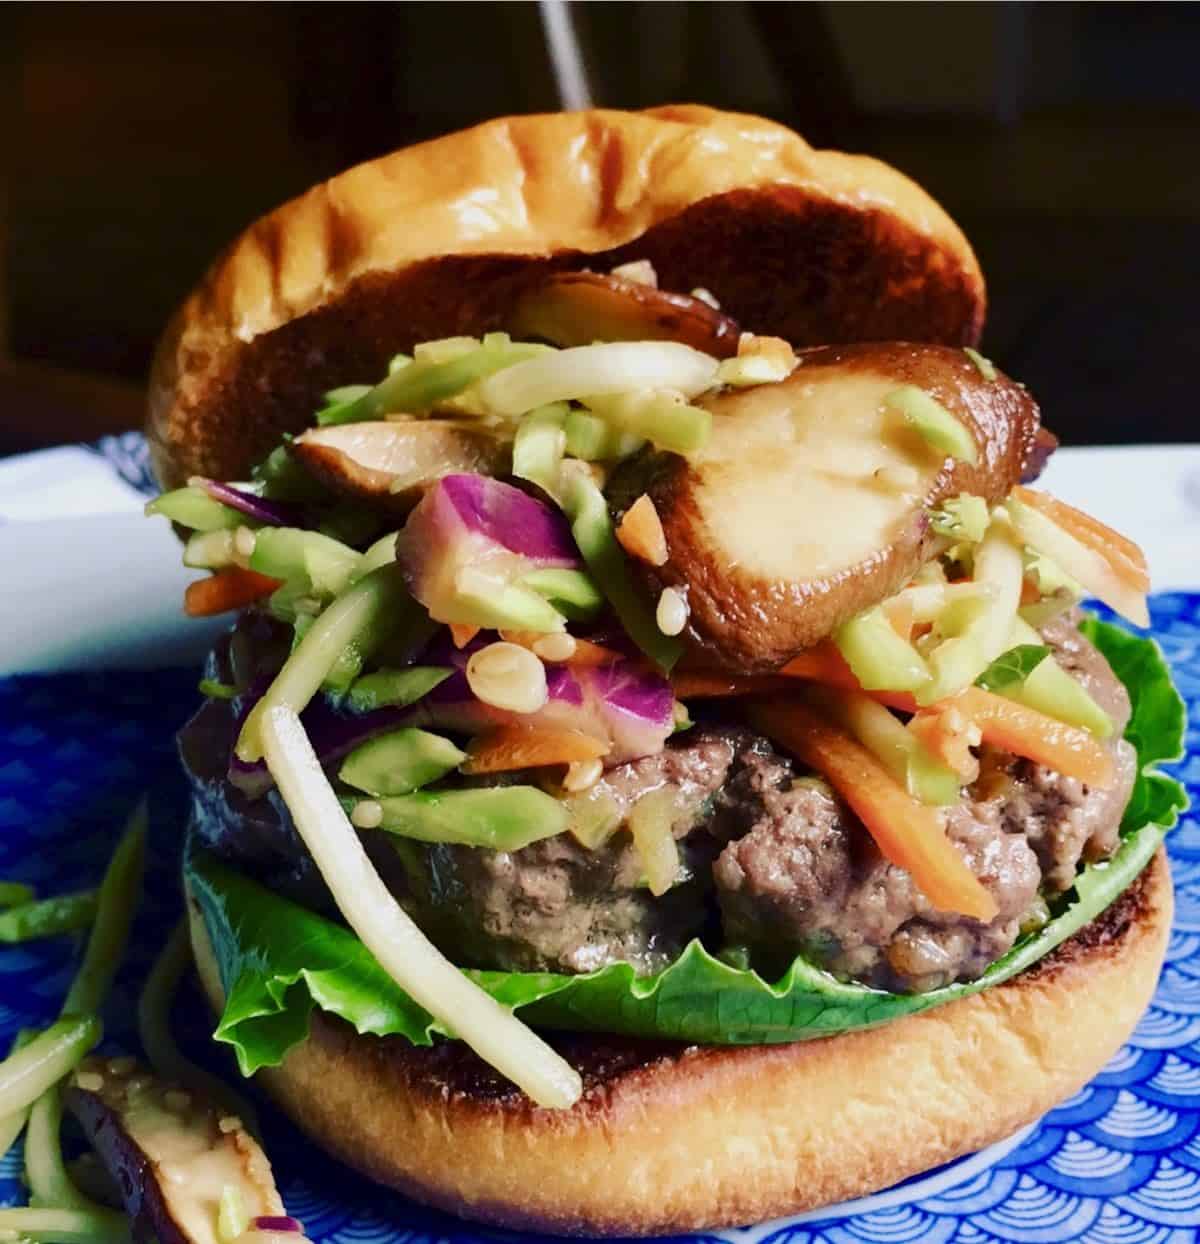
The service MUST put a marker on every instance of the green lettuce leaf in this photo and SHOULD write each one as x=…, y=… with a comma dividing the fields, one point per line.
x=278, y=960
x=1012, y=667
x=1158, y=724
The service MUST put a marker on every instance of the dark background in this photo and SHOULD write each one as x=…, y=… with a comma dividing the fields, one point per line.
x=1065, y=138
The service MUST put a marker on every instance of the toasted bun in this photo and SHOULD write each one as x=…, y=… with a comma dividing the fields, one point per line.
x=436, y=240
x=669, y=1138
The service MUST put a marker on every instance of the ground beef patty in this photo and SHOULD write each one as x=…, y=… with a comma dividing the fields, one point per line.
x=1064, y=820
x=774, y=856
x=808, y=879
x=559, y=906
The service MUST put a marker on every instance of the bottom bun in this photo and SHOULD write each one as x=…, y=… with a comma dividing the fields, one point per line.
x=669, y=1138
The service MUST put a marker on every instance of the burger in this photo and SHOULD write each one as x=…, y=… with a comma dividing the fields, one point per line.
x=657, y=776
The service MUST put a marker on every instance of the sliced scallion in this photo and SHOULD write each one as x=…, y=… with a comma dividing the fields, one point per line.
x=64, y=1226
x=400, y=762
x=501, y=818
x=660, y=418
x=923, y=412
x=539, y=446
x=232, y=1218
x=881, y=659
x=360, y=611
x=28, y=1072
x=215, y=690
x=571, y=592
x=193, y=507
x=420, y=385
x=50, y=1186
x=154, y=1030
x=15, y=893
x=382, y=925
x=13, y=1123
x=985, y=366
x=117, y=902
x=592, y=528
x=395, y=687
x=48, y=918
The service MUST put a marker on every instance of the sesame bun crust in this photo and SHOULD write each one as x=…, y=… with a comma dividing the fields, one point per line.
x=437, y=239
x=670, y=1138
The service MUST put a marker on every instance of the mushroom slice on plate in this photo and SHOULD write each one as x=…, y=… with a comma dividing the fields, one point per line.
x=175, y=1158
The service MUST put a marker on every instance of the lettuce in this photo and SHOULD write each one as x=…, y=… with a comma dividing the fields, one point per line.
x=278, y=960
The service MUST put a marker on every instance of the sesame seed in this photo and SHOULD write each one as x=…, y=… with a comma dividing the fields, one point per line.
x=559, y=647
x=229, y=1123
x=508, y=676
x=582, y=775
x=90, y=1081
x=672, y=612
x=367, y=814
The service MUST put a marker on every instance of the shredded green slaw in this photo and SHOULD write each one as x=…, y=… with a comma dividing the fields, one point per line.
x=278, y=961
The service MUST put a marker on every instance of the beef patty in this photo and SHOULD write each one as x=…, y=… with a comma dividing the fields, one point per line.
x=808, y=879
x=771, y=860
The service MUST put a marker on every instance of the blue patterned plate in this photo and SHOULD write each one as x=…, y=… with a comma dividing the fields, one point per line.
x=1120, y=1161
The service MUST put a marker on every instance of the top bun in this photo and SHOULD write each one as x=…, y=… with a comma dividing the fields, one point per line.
x=435, y=240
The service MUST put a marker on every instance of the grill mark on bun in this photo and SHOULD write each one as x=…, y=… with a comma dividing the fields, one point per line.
x=327, y=288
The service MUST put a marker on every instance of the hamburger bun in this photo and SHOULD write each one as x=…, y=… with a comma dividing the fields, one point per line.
x=670, y=1138
x=438, y=240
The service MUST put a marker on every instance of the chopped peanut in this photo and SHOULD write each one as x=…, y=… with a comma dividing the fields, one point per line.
x=641, y=533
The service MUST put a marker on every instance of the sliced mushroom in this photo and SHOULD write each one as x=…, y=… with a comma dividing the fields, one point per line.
x=171, y=1155
x=577, y=308
x=390, y=463
x=808, y=504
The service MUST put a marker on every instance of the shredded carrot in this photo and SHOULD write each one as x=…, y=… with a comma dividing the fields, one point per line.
x=1025, y=732
x=231, y=588
x=909, y=834
x=462, y=634
x=641, y=534
x=589, y=654
x=825, y=664
x=1003, y=723
x=529, y=747
x=1128, y=562
x=704, y=685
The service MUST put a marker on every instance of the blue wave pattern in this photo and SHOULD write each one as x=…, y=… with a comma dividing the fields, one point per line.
x=129, y=456
x=1119, y=1163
